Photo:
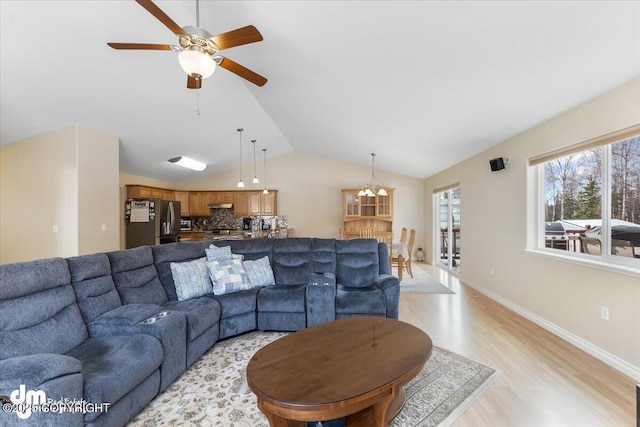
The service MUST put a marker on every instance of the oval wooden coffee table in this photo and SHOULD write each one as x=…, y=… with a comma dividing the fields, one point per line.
x=353, y=368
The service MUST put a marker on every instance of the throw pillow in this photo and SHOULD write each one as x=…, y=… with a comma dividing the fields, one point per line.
x=259, y=272
x=191, y=279
x=218, y=253
x=227, y=276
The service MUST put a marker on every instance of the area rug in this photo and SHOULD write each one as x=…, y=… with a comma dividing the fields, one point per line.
x=421, y=283
x=214, y=391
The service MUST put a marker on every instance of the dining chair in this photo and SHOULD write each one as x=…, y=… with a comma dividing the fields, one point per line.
x=385, y=237
x=403, y=235
x=590, y=245
x=366, y=232
x=407, y=262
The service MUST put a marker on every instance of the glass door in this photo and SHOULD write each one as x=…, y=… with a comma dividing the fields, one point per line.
x=447, y=228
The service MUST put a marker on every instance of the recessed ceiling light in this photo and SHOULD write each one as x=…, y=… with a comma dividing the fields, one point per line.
x=188, y=163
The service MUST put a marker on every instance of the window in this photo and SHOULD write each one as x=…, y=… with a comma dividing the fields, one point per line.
x=591, y=199
x=447, y=228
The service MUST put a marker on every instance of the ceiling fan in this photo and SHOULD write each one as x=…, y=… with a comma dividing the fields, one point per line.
x=198, y=48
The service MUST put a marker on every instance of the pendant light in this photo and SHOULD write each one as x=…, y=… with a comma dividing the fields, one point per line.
x=255, y=170
x=264, y=152
x=372, y=188
x=240, y=182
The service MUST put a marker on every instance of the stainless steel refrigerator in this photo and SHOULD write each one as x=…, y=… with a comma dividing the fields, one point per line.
x=151, y=222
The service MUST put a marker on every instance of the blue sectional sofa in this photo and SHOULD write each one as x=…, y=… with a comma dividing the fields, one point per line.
x=105, y=333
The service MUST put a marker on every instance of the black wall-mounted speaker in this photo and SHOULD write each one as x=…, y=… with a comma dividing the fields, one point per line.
x=497, y=164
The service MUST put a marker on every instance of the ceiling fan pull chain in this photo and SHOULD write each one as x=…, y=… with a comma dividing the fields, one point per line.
x=197, y=102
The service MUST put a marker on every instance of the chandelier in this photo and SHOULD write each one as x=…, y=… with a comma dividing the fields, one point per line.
x=372, y=188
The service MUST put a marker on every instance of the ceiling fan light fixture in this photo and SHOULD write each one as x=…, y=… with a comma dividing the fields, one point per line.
x=188, y=163
x=196, y=63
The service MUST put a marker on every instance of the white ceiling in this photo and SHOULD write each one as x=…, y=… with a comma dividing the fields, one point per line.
x=425, y=84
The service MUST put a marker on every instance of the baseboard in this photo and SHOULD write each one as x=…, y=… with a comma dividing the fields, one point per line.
x=595, y=351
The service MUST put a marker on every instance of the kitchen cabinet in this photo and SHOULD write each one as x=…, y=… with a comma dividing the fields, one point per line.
x=183, y=198
x=263, y=204
x=191, y=235
x=241, y=203
x=144, y=192
x=198, y=202
x=221, y=197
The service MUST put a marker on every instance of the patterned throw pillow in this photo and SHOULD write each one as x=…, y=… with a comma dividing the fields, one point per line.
x=227, y=276
x=259, y=272
x=191, y=279
x=218, y=253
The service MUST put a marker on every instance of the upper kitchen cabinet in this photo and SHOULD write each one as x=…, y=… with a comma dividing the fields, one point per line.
x=241, y=203
x=143, y=192
x=198, y=202
x=183, y=198
x=263, y=204
x=221, y=197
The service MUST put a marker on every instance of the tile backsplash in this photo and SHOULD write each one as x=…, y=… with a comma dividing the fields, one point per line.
x=224, y=219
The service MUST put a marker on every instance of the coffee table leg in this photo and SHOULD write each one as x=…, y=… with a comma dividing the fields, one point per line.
x=388, y=407
x=277, y=421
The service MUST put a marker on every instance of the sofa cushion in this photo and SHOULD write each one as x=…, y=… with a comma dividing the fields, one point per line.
x=323, y=256
x=357, y=263
x=191, y=279
x=202, y=313
x=360, y=300
x=39, y=310
x=291, y=261
x=282, y=298
x=94, y=287
x=252, y=248
x=237, y=303
x=136, y=277
x=227, y=276
x=164, y=255
x=259, y=272
x=113, y=365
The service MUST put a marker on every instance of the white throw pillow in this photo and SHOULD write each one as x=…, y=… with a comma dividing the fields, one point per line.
x=191, y=279
x=259, y=272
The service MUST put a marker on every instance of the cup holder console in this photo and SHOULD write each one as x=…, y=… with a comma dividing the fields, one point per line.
x=155, y=318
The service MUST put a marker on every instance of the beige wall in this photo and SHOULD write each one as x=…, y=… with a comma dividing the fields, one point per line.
x=562, y=296
x=98, y=208
x=44, y=181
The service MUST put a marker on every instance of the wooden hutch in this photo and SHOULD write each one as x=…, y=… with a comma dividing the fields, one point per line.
x=364, y=211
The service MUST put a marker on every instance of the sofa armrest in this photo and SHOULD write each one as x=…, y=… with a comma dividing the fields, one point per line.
x=390, y=285
x=321, y=298
x=168, y=326
x=57, y=376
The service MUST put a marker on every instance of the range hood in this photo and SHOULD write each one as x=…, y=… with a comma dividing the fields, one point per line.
x=220, y=206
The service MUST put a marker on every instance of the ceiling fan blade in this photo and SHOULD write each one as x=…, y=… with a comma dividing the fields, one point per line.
x=142, y=46
x=244, y=35
x=243, y=72
x=161, y=16
x=193, y=83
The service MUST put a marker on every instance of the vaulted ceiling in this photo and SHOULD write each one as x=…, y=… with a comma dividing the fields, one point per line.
x=425, y=84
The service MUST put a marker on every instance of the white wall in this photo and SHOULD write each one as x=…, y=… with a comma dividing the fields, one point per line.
x=58, y=179
x=494, y=210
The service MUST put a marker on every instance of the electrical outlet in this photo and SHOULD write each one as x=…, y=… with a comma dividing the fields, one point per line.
x=55, y=228
x=104, y=227
x=604, y=313
x=493, y=271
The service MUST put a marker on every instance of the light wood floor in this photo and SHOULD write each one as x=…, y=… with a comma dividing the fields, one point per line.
x=545, y=381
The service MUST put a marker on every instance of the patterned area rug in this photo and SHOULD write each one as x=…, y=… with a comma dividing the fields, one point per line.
x=421, y=283
x=214, y=391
